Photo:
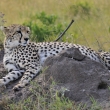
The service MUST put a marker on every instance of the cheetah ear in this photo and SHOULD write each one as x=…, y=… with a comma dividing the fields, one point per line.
x=4, y=29
x=28, y=28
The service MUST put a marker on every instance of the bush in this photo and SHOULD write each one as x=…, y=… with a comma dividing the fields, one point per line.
x=43, y=26
x=82, y=8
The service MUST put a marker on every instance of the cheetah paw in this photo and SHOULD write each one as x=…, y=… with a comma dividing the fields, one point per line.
x=18, y=87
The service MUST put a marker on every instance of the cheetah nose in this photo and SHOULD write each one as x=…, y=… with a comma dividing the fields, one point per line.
x=26, y=39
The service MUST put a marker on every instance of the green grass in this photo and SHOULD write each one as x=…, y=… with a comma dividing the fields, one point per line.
x=42, y=99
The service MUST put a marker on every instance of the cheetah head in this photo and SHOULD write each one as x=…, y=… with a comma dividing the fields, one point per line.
x=16, y=35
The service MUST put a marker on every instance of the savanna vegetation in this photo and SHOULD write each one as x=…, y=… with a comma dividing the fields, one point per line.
x=48, y=18
x=91, y=26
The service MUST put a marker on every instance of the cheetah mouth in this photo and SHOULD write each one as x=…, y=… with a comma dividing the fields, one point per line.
x=24, y=43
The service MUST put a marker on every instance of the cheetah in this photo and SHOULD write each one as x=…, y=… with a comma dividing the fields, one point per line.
x=25, y=59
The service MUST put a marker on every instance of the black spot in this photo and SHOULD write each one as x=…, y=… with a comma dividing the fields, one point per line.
x=45, y=55
x=85, y=53
x=41, y=50
x=28, y=60
x=18, y=74
x=109, y=62
x=34, y=54
x=22, y=73
x=57, y=52
x=4, y=79
x=14, y=78
x=10, y=70
x=92, y=56
x=8, y=77
x=26, y=78
x=14, y=59
x=30, y=76
x=6, y=62
x=23, y=58
x=24, y=62
x=50, y=46
x=35, y=57
x=18, y=66
x=12, y=73
x=19, y=87
x=106, y=64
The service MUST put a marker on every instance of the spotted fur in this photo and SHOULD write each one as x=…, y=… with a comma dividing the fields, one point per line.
x=25, y=59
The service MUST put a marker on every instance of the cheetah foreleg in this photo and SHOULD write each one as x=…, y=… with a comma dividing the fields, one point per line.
x=11, y=76
x=29, y=74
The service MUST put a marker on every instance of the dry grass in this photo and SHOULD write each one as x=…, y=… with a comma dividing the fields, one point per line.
x=86, y=29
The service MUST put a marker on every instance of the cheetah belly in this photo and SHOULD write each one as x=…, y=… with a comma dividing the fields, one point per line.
x=43, y=58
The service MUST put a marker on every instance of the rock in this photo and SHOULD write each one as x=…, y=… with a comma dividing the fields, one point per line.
x=81, y=77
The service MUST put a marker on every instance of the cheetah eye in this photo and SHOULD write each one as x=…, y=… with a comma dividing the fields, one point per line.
x=27, y=31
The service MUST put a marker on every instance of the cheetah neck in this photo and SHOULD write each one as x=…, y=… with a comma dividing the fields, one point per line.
x=8, y=49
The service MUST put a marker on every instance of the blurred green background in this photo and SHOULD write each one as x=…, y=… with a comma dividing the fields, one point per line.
x=48, y=18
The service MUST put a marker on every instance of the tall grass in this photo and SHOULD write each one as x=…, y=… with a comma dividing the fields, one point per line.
x=2, y=21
